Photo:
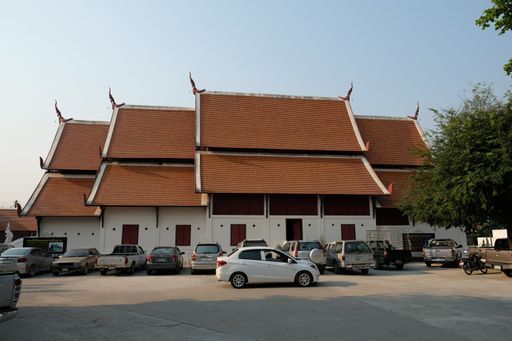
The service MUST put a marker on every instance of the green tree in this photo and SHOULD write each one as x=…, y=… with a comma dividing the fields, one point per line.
x=500, y=15
x=466, y=180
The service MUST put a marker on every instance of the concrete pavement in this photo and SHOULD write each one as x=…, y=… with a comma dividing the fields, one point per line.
x=416, y=303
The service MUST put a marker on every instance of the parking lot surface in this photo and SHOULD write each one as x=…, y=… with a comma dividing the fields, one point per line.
x=417, y=303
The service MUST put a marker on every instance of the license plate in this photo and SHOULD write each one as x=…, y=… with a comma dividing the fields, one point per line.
x=497, y=267
x=65, y=270
x=161, y=260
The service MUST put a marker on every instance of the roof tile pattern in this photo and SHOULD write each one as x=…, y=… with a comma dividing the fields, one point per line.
x=63, y=197
x=393, y=142
x=79, y=146
x=147, y=185
x=266, y=122
x=401, y=185
x=153, y=133
x=8, y=216
x=286, y=175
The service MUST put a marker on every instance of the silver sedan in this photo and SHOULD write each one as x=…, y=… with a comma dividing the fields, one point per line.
x=25, y=260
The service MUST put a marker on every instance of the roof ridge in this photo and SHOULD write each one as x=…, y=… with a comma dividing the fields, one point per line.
x=251, y=94
x=374, y=117
x=156, y=107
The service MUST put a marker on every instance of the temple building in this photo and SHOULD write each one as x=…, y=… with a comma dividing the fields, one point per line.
x=236, y=166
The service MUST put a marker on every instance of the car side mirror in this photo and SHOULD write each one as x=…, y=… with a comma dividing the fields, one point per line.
x=459, y=247
x=223, y=252
x=290, y=261
x=182, y=253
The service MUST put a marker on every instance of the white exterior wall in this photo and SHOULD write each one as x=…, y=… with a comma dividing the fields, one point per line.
x=256, y=228
x=116, y=217
x=81, y=232
x=453, y=233
x=169, y=217
x=151, y=235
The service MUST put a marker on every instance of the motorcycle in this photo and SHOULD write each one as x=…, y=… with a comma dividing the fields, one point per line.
x=473, y=262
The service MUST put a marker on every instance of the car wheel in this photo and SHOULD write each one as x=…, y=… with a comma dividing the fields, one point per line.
x=304, y=279
x=149, y=272
x=337, y=268
x=85, y=271
x=378, y=266
x=31, y=271
x=132, y=269
x=55, y=273
x=364, y=271
x=103, y=272
x=428, y=264
x=399, y=266
x=507, y=273
x=238, y=280
x=321, y=268
x=178, y=270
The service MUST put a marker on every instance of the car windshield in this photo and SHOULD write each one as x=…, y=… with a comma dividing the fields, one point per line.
x=445, y=243
x=308, y=246
x=121, y=249
x=163, y=251
x=16, y=252
x=356, y=247
x=76, y=253
x=207, y=249
x=255, y=243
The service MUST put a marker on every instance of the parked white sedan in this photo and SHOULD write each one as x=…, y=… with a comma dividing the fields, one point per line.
x=264, y=265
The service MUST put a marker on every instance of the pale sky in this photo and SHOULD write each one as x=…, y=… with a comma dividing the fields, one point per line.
x=395, y=52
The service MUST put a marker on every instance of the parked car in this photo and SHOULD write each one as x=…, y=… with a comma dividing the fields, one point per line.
x=302, y=249
x=10, y=290
x=264, y=265
x=442, y=251
x=25, y=260
x=164, y=258
x=385, y=254
x=125, y=258
x=4, y=247
x=349, y=255
x=205, y=256
x=251, y=242
x=498, y=257
x=76, y=260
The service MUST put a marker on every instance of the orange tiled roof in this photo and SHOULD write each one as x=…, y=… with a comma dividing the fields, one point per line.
x=77, y=146
x=152, y=132
x=61, y=196
x=222, y=173
x=8, y=216
x=145, y=185
x=401, y=181
x=276, y=122
x=393, y=141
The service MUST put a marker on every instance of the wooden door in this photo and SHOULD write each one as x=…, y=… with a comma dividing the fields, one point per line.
x=297, y=229
x=237, y=233
x=130, y=234
x=348, y=231
x=183, y=233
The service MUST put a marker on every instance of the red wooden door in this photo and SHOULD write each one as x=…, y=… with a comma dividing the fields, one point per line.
x=348, y=231
x=130, y=234
x=297, y=229
x=237, y=233
x=183, y=233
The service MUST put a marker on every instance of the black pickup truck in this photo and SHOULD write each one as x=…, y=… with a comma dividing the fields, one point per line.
x=385, y=254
